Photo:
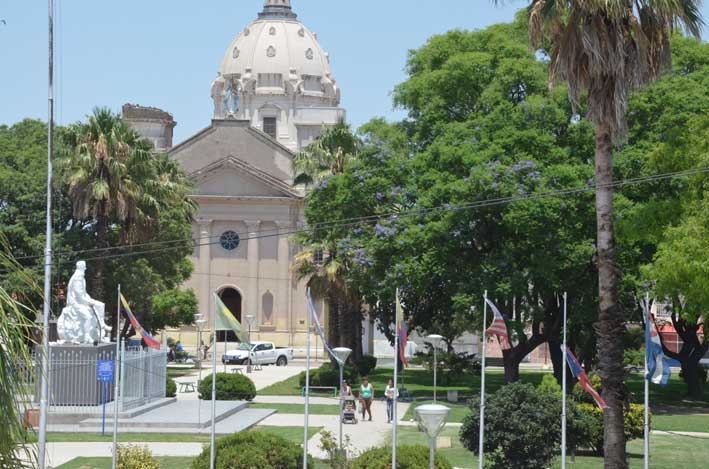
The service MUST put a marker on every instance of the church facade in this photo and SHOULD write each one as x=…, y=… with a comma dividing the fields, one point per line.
x=273, y=94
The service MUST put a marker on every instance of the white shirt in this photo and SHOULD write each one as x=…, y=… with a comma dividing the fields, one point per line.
x=389, y=392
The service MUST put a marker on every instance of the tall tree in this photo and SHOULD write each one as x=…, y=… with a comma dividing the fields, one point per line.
x=103, y=167
x=123, y=194
x=604, y=50
x=319, y=263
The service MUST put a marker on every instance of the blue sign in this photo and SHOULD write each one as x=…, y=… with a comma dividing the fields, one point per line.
x=104, y=371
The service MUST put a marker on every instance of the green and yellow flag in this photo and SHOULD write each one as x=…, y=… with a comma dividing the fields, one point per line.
x=225, y=320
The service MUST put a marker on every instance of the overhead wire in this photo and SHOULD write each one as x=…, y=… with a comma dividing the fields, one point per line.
x=355, y=221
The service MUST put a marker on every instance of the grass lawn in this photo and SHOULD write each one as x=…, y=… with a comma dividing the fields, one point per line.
x=681, y=423
x=420, y=383
x=457, y=414
x=314, y=409
x=292, y=434
x=105, y=463
x=180, y=372
x=667, y=451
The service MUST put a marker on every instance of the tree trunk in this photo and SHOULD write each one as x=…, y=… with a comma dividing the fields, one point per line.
x=689, y=355
x=610, y=326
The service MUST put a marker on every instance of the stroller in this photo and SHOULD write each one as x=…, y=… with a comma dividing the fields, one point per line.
x=349, y=410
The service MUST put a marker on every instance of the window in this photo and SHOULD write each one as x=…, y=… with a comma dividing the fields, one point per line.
x=230, y=240
x=269, y=126
x=267, y=305
x=318, y=257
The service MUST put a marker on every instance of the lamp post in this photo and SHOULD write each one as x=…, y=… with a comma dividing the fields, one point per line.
x=249, y=320
x=342, y=354
x=199, y=323
x=435, y=340
x=433, y=418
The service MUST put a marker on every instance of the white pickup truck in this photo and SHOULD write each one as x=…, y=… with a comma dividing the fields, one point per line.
x=260, y=353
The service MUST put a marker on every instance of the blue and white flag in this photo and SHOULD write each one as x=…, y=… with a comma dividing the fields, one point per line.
x=318, y=329
x=658, y=367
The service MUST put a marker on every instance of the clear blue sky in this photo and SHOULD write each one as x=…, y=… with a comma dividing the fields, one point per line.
x=165, y=53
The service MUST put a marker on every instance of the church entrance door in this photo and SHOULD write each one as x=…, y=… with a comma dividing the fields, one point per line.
x=232, y=300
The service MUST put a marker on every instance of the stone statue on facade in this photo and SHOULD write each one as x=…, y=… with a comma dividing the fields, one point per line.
x=83, y=319
x=231, y=97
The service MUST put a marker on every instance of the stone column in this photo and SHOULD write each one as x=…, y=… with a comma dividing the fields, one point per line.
x=252, y=296
x=205, y=269
x=285, y=287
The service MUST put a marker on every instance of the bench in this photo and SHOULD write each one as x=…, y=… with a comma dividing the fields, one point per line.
x=332, y=389
x=237, y=371
x=405, y=395
x=187, y=387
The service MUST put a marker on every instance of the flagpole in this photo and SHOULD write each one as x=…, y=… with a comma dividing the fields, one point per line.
x=117, y=379
x=396, y=379
x=44, y=376
x=212, y=440
x=646, y=426
x=482, y=388
x=307, y=385
x=563, y=395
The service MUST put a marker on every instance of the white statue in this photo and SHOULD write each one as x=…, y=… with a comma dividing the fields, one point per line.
x=231, y=97
x=83, y=319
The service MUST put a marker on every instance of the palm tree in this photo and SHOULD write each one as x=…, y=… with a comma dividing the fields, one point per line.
x=318, y=263
x=15, y=361
x=102, y=164
x=327, y=156
x=605, y=50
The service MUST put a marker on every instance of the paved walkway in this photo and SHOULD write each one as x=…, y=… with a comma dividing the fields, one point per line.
x=363, y=435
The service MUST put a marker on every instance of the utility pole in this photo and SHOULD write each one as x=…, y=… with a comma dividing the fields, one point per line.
x=44, y=390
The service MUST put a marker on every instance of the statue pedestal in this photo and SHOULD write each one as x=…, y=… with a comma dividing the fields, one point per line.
x=72, y=374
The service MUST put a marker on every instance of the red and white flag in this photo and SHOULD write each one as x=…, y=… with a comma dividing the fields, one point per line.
x=498, y=327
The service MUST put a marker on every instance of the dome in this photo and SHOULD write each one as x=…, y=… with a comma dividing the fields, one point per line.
x=276, y=75
x=276, y=50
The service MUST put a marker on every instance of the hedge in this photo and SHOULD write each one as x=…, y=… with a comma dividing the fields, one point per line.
x=230, y=387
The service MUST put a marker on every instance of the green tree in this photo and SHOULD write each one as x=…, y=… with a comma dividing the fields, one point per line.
x=318, y=262
x=124, y=195
x=605, y=51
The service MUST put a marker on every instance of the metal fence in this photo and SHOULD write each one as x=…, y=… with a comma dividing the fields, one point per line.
x=73, y=384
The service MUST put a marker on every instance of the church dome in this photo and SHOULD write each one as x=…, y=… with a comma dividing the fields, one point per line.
x=277, y=51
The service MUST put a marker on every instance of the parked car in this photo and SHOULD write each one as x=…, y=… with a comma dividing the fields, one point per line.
x=260, y=353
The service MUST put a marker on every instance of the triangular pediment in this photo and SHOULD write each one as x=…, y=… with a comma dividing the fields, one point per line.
x=233, y=177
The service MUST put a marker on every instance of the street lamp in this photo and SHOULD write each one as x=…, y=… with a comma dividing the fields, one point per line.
x=342, y=353
x=199, y=322
x=435, y=339
x=249, y=319
x=433, y=418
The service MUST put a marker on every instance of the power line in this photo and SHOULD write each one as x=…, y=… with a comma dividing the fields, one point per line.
x=350, y=222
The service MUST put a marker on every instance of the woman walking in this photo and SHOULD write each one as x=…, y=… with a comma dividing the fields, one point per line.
x=390, y=392
x=366, y=395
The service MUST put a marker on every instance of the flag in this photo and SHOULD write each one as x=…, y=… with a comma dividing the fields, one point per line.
x=149, y=340
x=581, y=375
x=498, y=327
x=318, y=329
x=225, y=320
x=402, y=330
x=658, y=367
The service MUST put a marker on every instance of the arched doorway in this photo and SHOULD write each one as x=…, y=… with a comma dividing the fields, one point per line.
x=232, y=300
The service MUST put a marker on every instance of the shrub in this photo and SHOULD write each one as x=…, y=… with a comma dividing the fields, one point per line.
x=366, y=364
x=337, y=458
x=326, y=375
x=229, y=388
x=522, y=427
x=171, y=388
x=135, y=457
x=549, y=385
x=408, y=457
x=254, y=449
x=593, y=415
x=634, y=358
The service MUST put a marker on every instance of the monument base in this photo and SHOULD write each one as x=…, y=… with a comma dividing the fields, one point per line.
x=72, y=374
